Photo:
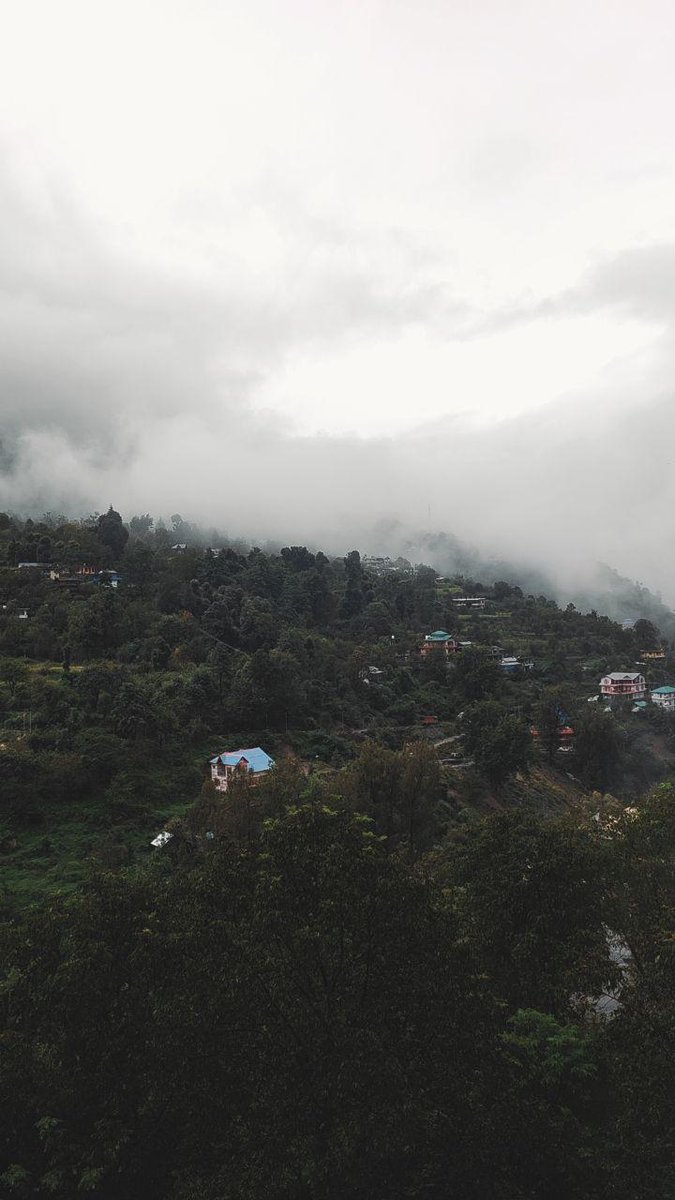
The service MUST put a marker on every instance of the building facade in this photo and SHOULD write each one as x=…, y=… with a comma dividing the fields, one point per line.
x=439, y=640
x=623, y=685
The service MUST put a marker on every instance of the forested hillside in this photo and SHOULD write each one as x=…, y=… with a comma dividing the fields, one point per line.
x=429, y=954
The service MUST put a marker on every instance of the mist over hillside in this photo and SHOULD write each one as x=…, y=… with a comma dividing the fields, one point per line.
x=598, y=587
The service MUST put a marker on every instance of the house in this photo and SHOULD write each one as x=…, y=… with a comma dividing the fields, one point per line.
x=630, y=685
x=566, y=734
x=664, y=697
x=439, y=639
x=510, y=665
x=109, y=578
x=464, y=602
x=161, y=839
x=654, y=655
x=252, y=763
x=371, y=675
x=383, y=565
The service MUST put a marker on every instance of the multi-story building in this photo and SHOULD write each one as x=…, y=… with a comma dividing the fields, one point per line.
x=439, y=640
x=626, y=685
x=664, y=697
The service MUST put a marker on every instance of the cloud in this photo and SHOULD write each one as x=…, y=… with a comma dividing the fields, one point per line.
x=130, y=383
x=344, y=218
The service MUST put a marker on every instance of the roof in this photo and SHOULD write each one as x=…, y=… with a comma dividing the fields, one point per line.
x=663, y=691
x=619, y=675
x=162, y=838
x=256, y=759
x=439, y=635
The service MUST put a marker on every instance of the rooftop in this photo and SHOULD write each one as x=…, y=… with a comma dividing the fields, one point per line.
x=256, y=759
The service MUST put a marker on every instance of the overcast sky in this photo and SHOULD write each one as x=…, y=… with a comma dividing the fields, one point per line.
x=293, y=267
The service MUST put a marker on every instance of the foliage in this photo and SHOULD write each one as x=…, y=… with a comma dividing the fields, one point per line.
x=372, y=973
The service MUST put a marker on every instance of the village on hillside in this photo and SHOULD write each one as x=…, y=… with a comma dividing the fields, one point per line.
x=144, y=669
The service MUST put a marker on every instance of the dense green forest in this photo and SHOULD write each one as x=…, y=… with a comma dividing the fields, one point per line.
x=429, y=955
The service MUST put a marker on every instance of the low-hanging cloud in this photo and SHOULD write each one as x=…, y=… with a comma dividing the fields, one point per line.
x=135, y=382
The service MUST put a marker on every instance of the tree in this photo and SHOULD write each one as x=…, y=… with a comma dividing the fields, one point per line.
x=141, y=526
x=549, y=717
x=498, y=741
x=647, y=636
x=13, y=672
x=309, y=997
x=354, y=599
x=111, y=532
x=421, y=794
x=597, y=747
x=529, y=899
x=477, y=674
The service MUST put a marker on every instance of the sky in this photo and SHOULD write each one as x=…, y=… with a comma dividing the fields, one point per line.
x=313, y=270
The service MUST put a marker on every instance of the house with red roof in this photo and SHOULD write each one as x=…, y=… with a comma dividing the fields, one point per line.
x=629, y=685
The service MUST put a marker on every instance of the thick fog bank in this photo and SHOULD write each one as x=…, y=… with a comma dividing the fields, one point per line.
x=556, y=492
x=143, y=382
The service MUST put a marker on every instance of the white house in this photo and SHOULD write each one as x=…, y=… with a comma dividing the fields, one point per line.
x=664, y=697
x=161, y=839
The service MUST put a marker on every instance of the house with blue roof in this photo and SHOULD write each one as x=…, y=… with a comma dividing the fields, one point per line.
x=252, y=764
x=664, y=697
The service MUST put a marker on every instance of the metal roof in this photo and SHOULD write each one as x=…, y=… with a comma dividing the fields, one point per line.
x=255, y=758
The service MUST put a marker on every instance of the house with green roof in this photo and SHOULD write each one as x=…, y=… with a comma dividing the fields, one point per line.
x=664, y=697
x=440, y=639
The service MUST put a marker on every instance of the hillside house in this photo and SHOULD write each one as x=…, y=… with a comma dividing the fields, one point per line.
x=440, y=640
x=654, y=655
x=510, y=665
x=566, y=734
x=253, y=763
x=468, y=602
x=161, y=839
x=664, y=697
x=628, y=685
x=372, y=675
x=108, y=578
